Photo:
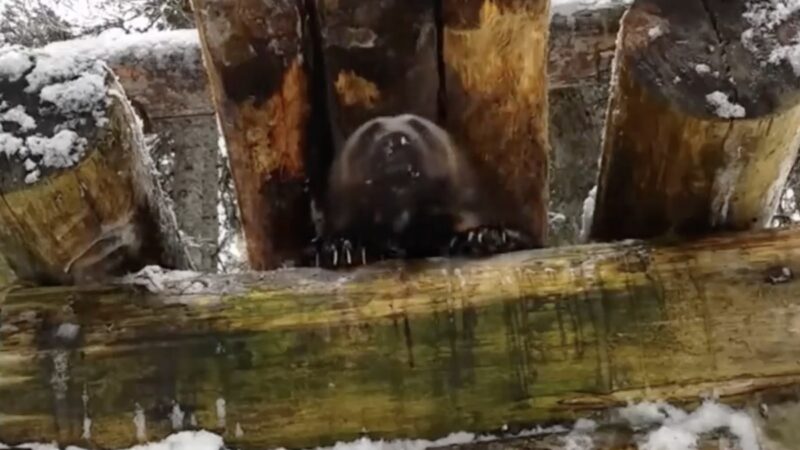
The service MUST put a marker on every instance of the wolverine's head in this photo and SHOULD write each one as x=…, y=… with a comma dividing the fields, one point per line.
x=395, y=150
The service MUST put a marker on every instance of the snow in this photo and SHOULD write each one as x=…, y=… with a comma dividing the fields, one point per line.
x=765, y=18
x=723, y=107
x=655, y=32
x=660, y=426
x=9, y=144
x=19, y=116
x=68, y=331
x=62, y=150
x=702, y=68
x=588, y=213
x=13, y=63
x=114, y=46
x=682, y=435
x=80, y=95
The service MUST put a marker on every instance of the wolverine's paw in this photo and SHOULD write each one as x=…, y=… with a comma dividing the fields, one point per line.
x=341, y=252
x=489, y=240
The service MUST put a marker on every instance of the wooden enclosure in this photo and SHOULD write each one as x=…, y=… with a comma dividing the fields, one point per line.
x=302, y=357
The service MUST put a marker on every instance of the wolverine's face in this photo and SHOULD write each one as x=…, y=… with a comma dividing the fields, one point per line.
x=396, y=151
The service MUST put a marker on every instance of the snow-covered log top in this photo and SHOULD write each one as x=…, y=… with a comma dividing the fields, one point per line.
x=161, y=71
x=51, y=104
x=738, y=60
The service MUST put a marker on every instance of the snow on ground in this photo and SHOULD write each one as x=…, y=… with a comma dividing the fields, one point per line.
x=660, y=426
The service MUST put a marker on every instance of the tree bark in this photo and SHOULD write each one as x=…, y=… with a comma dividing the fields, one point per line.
x=702, y=129
x=79, y=200
x=380, y=58
x=254, y=57
x=304, y=357
x=495, y=67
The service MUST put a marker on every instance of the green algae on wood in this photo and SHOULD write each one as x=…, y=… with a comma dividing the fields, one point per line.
x=304, y=357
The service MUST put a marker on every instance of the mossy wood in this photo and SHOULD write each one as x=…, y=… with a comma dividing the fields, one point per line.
x=304, y=357
x=702, y=128
x=261, y=92
x=495, y=81
x=103, y=212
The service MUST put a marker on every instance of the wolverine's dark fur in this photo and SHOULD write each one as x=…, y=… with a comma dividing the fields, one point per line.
x=401, y=188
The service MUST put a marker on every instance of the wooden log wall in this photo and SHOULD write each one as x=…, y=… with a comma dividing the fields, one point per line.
x=301, y=357
x=260, y=87
x=79, y=198
x=702, y=127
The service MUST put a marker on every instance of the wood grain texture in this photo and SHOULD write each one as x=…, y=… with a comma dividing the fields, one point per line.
x=304, y=357
x=380, y=59
x=254, y=56
x=103, y=214
x=495, y=63
x=670, y=163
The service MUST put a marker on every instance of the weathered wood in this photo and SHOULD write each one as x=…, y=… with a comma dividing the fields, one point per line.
x=702, y=128
x=254, y=56
x=79, y=199
x=303, y=357
x=576, y=126
x=380, y=58
x=163, y=70
x=582, y=42
x=495, y=60
x=191, y=145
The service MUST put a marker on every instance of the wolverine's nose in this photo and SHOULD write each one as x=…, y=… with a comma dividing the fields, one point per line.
x=394, y=143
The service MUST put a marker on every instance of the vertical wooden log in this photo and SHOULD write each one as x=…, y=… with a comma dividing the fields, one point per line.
x=495, y=64
x=703, y=119
x=380, y=58
x=192, y=143
x=254, y=55
x=78, y=199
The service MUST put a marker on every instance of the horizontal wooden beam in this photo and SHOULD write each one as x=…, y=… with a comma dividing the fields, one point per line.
x=302, y=357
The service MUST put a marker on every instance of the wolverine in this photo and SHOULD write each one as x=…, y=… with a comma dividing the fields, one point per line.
x=400, y=188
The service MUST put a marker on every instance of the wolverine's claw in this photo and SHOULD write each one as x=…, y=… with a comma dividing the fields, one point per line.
x=488, y=240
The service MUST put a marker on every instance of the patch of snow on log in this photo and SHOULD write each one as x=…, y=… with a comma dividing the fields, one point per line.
x=171, y=50
x=20, y=117
x=766, y=18
x=72, y=101
x=723, y=107
x=13, y=63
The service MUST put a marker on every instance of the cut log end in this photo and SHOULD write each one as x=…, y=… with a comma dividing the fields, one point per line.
x=78, y=195
x=701, y=129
